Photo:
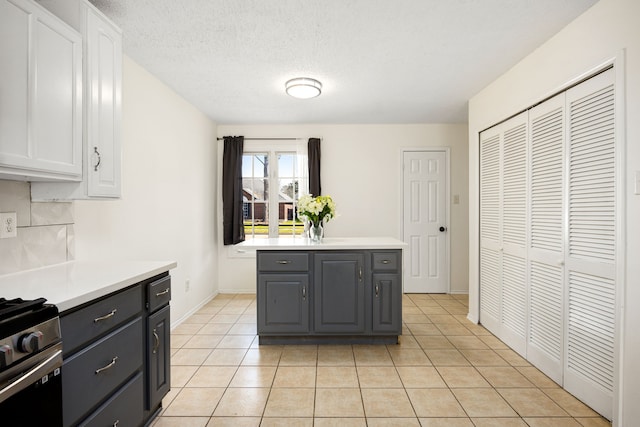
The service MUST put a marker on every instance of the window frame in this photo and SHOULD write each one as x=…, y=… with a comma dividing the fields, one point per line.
x=273, y=149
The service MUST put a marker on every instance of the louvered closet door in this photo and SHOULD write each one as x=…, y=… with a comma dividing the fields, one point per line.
x=503, y=222
x=490, y=228
x=514, y=233
x=591, y=242
x=545, y=345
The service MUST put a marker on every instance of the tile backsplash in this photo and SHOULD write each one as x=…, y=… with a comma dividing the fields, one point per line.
x=45, y=230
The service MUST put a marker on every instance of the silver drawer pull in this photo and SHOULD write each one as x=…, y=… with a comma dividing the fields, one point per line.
x=110, y=365
x=284, y=261
x=156, y=342
x=105, y=317
x=166, y=291
x=304, y=293
x=115, y=424
x=377, y=290
x=385, y=261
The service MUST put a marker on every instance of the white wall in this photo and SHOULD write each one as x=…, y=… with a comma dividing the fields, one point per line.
x=167, y=210
x=601, y=33
x=361, y=170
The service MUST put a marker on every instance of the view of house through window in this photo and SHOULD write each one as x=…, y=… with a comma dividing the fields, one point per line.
x=272, y=182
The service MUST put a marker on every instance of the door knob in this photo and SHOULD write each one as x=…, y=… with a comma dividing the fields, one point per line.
x=443, y=229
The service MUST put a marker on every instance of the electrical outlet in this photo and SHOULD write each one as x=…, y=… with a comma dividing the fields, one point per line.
x=187, y=285
x=8, y=225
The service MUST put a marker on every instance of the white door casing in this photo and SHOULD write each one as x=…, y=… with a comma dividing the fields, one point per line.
x=425, y=214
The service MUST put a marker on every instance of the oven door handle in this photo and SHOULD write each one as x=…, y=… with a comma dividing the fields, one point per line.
x=34, y=374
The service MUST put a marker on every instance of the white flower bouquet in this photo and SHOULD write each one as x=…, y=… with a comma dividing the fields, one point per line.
x=316, y=209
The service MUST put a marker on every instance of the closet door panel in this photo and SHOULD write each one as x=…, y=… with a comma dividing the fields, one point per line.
x=514, y=232
x=591, y=242
x=545, y=347
x=490, y=229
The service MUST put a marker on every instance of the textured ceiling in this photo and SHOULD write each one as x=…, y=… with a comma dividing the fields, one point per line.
x=380, y=61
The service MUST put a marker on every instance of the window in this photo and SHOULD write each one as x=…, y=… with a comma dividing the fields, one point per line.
x=273, y=178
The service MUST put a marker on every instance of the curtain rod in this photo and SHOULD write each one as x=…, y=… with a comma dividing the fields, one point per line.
x=268, y=139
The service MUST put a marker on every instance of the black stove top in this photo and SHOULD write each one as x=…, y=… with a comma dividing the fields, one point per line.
x=18, y=314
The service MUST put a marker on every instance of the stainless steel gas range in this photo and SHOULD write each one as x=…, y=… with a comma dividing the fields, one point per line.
x=30, y=362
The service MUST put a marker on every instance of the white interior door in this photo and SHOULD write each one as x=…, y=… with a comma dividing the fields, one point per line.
x=425, y=218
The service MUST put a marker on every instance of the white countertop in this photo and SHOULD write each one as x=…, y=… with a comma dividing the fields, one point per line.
x=73, y=283
x=328, y=243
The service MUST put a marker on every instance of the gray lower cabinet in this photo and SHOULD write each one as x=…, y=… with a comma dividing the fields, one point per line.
x=116, y=356
x=92, y=374
x=124, y=408
x=338, y=291
x=329, y=296
x=386, y=298
x=158, y=358
x=283, y=305
x=386, y=291
x=157, y=373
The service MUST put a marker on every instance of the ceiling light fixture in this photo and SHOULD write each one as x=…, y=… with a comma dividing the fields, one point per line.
x=303, y=87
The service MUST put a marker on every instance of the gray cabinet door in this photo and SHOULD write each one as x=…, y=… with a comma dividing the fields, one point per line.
x=283, y=303
x=158, y=353
x=387, y=303
x=339, y=299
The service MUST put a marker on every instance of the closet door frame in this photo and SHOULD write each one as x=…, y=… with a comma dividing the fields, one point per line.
x=617, y=62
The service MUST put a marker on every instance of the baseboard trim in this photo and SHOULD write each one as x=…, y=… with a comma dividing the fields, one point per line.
x=176, y=323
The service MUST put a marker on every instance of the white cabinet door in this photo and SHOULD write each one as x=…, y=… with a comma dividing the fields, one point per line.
x=102, y=105
x=104, y=88
x=40, y=94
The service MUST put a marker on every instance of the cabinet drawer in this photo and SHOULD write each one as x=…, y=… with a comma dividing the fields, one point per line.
x=95, y=320
x=89, y=376
x=384, y=261
x=158, y=293
x=124, y=408
x=283, y=261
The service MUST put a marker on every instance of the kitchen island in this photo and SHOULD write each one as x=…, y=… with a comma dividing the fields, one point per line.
x=343, y=290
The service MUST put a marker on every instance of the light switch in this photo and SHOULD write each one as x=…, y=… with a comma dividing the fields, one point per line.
x=456, y=199
x=637, y=182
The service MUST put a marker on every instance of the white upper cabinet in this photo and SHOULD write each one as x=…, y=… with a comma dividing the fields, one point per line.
x=102, y=105
x=40, y=95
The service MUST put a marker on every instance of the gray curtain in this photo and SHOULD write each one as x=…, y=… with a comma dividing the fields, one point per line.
x=232, y=216
x=313, y=151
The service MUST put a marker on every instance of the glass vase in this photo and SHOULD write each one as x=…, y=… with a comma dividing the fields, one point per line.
x=315, y=232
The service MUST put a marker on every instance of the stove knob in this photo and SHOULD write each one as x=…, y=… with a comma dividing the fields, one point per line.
x=30, y=343
x=6, y=355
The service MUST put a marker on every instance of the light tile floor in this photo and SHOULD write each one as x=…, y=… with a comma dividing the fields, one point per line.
x=446, y=371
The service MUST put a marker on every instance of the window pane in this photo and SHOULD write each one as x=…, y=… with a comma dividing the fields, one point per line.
x=288, y=223
x=286, y=165
x=256, y=224
x=255, y=165
x=255, y=191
